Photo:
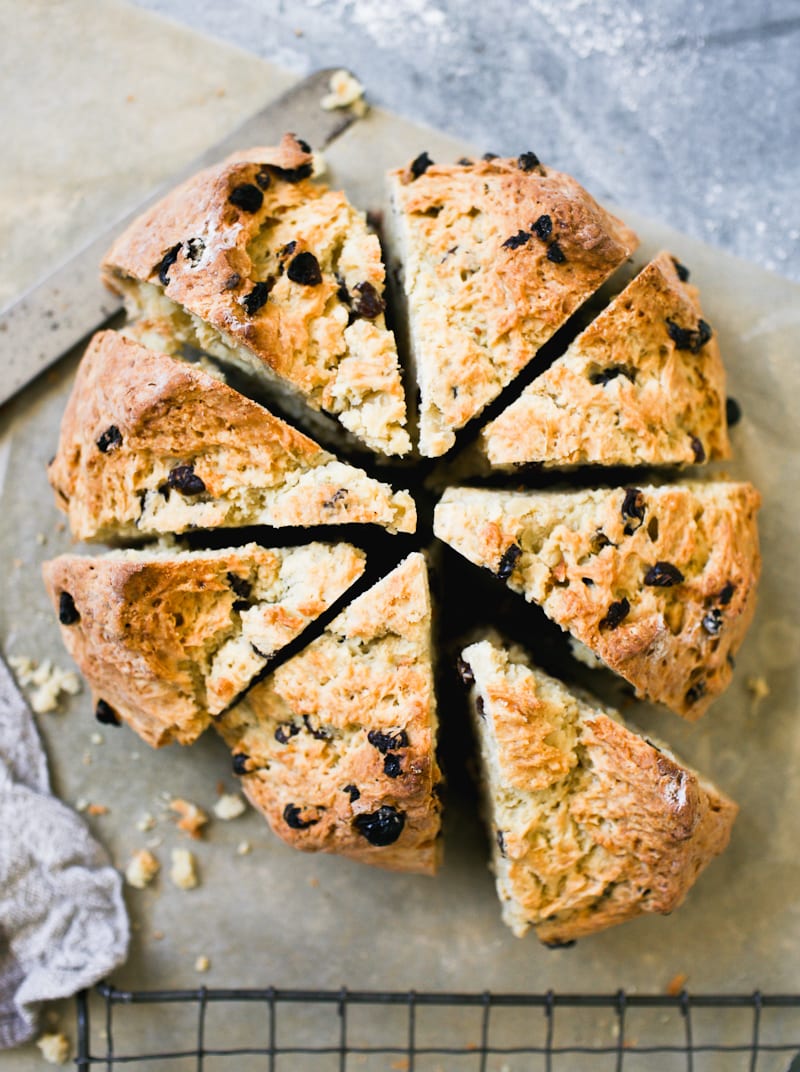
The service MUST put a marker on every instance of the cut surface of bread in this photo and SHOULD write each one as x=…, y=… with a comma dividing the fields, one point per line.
x=590, y=824
x=658, y=582
x=168, y=638
x=337, y=748
x=642, y=385
x=150, y=444
x=257, y=265
x=496, y=255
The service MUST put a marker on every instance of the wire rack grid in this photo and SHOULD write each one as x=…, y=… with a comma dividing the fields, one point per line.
x=744, y=1036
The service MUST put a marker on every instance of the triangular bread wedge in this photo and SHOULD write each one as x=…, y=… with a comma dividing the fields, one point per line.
x=168, y=638
x=642, y=385
x=150, y=444
x=496, y=255
x=658, y=582
x=337, y=748
x=277, y=275
x=590, y=824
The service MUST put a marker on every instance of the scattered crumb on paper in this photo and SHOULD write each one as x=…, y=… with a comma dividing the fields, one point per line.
x=345, y=92
x=183, y=871
x=142, y=869
x=676, y=984
x=758, y=688
x=55, y=1048
x=47, y=681
x=192, y=820
x=229, y=806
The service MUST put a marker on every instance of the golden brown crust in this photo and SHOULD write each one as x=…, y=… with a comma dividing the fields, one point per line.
x=484, y=290
x=601, y=564
x=592, y=824
x=303, y=734
x=637, y=387
x=168, y=638
x=134, y=416
x=264, y=256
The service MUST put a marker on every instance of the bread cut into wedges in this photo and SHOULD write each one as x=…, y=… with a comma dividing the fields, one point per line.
x=337, y=748
x=590, y=824
x=277, y=275
x=658, y=582
x=496, y=255
x=150, y=444
x=642, y=385
x=167, y=638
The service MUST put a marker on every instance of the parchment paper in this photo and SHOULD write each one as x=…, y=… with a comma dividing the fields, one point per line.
x=278, y=917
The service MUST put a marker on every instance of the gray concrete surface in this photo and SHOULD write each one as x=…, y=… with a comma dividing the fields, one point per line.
x=685, y=110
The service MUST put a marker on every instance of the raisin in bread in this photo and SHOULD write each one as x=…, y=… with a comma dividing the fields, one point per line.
x=496, y=255
x=259, y=266
x=659, y=582
x=642, y=385
x=590, y=824
x=337, y=747
x=150, y=444
x=168, y=638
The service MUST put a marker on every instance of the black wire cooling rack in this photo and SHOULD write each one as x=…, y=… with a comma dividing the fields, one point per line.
x=351, y=1031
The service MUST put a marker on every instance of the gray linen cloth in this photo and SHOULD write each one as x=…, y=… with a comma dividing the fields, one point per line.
x=63, y=924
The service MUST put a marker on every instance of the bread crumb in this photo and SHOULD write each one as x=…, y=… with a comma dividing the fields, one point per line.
x=202, y=964
x=97, y=738
x=582, y=654
x=142, y=869
x=345, y=92
x=145, y=822
x=319, y=165
x=229, y=806
x=55, y=1048
x=313, y=882
x=192, y=820
x=676, y=984
x=97, y=809
x=87, y=759
x=183, y=871
x=41, y=539
x=48, y=682
x=759, y=690
x=81, y=804
x=158, y=936
x=244, y=848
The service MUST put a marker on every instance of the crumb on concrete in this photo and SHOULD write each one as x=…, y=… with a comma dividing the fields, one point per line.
x=229, y=806
x=145, y=822
x=244, y=848
x=142, y=869
x=345, y=92
x=97, y=809
x=97, y=738
x=158, y=936
x=55, y=1048
x=183, y=871
x=202, y=964
x=48, y=682
x=41, y=539
x=192, y=820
